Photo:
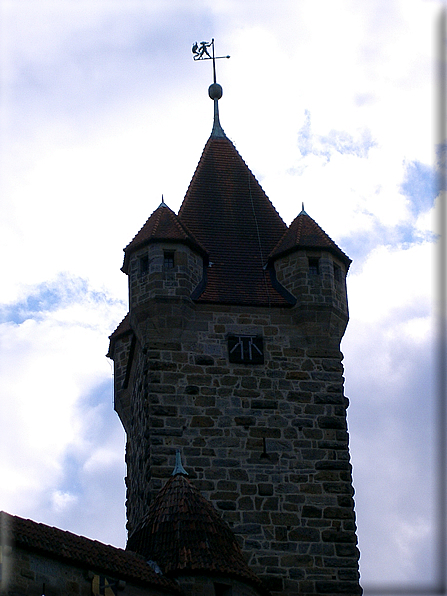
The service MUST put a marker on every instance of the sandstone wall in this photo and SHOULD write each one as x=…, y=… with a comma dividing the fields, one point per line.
x=267, y=443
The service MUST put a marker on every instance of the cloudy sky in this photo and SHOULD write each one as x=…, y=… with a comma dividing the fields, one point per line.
x=103, y=110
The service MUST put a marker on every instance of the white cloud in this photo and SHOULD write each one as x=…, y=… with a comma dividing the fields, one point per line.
x=386, y=285
x=103, y=110
x=50, y=365
x=63, y=500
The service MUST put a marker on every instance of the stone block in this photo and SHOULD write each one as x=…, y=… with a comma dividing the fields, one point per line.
x=203, y=360
x=264, y=404
x=337, y=536
x=346, y=550
x=334, y=587
x=202, y=421
x=226, y=505
x=331, y=422
x=304, y=534
x=311, y=511
x=297, y=561
x=256, y=517
x=285, y=519
x=265, y=489
x=338, y=513
x=338, y=487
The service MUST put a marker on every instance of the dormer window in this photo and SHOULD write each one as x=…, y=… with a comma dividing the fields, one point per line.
x=143, y=264
x=314, y=268
x=168, y=259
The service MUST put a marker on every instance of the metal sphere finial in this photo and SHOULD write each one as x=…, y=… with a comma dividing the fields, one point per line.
x=215, y=91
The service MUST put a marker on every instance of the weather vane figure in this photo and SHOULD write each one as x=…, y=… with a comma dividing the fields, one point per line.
x=200, y=52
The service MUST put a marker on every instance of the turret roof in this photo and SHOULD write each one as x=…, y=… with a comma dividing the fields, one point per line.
x=304, y=232
x=162, y=225
x=227, y=211
x=123, y=329
x=184, y=534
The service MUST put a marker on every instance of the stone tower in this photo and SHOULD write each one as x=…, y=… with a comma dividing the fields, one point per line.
x=231, y=353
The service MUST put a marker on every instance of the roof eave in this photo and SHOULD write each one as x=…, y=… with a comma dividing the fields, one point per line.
x=193, y=245
x=336, y=252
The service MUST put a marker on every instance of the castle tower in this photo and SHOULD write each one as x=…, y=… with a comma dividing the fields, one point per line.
x=231, y=353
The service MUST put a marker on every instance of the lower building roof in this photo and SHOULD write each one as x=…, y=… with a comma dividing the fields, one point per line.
x=81, y=552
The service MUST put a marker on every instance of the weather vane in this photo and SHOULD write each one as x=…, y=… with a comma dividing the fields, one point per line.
x=200, y=52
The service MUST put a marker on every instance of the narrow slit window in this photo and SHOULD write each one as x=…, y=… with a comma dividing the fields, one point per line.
x=143, y=264
x=168, y=259
x=337, y=273
x=314, y=268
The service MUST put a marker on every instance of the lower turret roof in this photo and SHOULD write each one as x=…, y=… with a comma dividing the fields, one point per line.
x=184, y=534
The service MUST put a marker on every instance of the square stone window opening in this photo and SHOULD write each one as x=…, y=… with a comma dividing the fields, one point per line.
x=168, y=259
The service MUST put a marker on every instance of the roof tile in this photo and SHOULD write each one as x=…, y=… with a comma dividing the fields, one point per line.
x=81, y=551
x=183, y=533
x=162, y=225
x=304, y=232
x=229, y=213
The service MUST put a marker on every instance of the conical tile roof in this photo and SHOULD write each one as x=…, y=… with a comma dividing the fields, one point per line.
x=227, y=211
x=184, y=534
x=304, y=232
x=162, y=225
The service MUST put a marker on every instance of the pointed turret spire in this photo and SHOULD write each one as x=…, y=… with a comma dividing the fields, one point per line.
x=178, y=468
x=215, y=90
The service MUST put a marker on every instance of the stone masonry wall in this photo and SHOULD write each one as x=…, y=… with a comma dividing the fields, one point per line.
x=148, y=276
x=267, y=443
x=326, y=287
x=206, y=586
x=25, y=573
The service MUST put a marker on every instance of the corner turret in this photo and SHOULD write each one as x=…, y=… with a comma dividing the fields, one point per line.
x=164, y=259
x=309, y=265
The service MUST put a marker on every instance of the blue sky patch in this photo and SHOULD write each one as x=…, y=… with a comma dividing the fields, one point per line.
x=419, y=186
x=48, y=297
x=336, y=141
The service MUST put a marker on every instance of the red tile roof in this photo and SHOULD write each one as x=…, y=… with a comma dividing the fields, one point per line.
x=231, y=216
x=80, y=551
x=162, y=225
x=304, y=232
x=184, y=534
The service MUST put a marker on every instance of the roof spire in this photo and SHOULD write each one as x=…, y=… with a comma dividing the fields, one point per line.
x=162, y=204
x=178, y=468
x=302, y=209
x=215, y=90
